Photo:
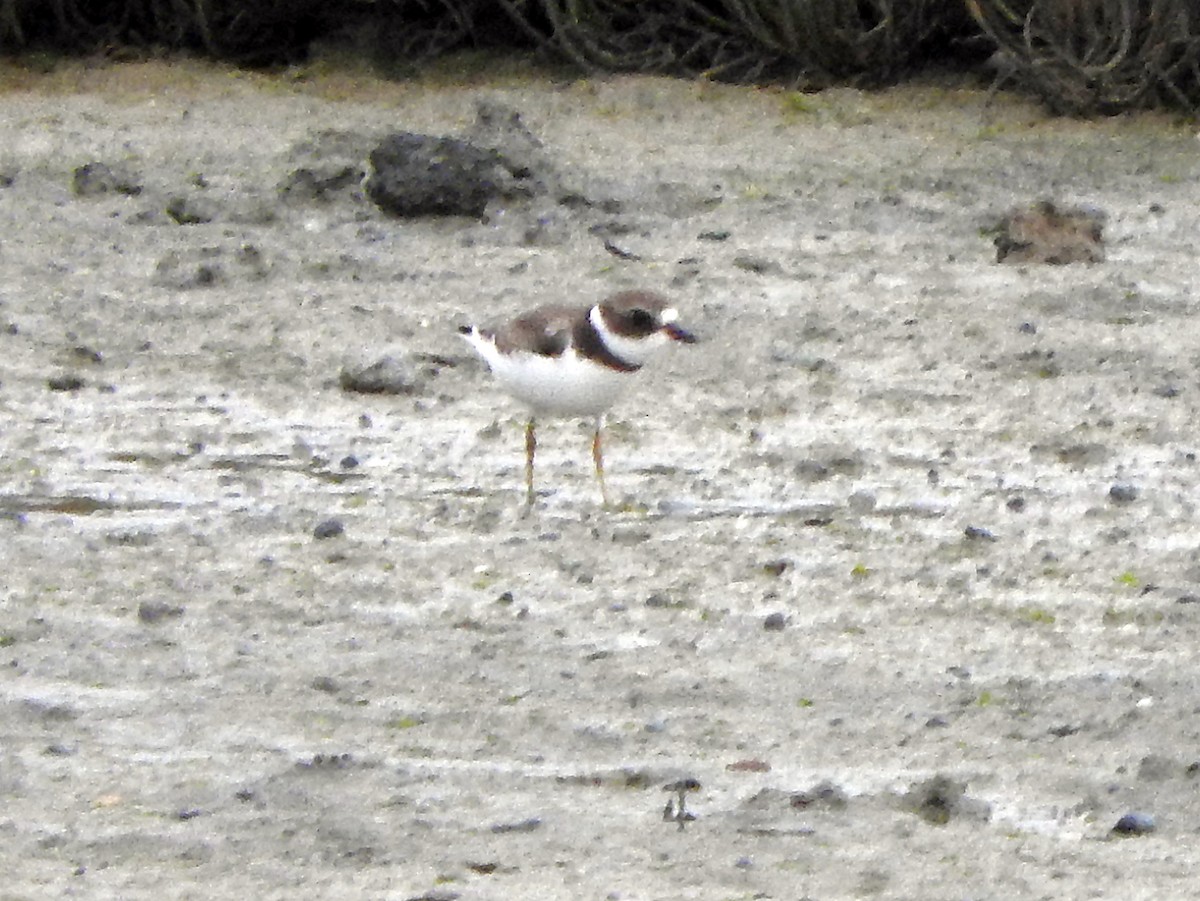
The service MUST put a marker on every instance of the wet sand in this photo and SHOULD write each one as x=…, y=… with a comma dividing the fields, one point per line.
x=905, y=574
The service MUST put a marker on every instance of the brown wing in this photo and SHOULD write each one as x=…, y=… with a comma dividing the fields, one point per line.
x=545, y=331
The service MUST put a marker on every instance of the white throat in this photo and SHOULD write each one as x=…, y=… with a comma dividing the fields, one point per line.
x=636, y=351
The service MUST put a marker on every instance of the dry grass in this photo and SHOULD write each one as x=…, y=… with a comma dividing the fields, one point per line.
x=1079, y=56
x=1085, y=57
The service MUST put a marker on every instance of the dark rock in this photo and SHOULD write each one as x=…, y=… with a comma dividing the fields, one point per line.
x=1046, y=233
x=151, y=612
x=67, y=382
x=775, y=622
x=1123, y=494
x=527, y=825
x=326, y=684
x=95, y=179
x=1135, y=824
x=387, y=375
x=978, y=533
x=620, y=252
x=328, y=528
x=659, y=601
x=412, y=175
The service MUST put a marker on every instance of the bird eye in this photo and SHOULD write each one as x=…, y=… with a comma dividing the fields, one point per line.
x=641, y=320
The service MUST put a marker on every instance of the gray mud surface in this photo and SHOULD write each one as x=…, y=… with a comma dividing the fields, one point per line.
x=967, y=492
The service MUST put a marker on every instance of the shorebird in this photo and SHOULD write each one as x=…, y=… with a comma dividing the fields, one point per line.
x=576, y=360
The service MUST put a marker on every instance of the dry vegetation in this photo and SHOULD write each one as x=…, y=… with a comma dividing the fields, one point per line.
x=1080, y=56
x=1099, y=56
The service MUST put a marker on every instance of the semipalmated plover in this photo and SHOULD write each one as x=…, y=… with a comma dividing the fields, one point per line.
x=576, y=360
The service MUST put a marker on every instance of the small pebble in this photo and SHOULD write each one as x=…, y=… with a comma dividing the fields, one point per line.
x=528, y=825
x=64, y=383
x=978, y=533
x=1123, y=494
x=329, y=528
x=775, y=622
x=1135, y=824
x=759, y=265
x=156, y=611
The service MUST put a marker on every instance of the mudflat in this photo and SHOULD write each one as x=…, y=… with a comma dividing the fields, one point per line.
x=904, y=573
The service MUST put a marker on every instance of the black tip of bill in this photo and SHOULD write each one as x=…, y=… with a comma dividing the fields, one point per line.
x=682, y=335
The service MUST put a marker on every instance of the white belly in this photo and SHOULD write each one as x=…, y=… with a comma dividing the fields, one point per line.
x=566, y=386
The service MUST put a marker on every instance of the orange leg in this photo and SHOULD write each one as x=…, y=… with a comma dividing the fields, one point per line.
x=598, y=459
x=530, y=449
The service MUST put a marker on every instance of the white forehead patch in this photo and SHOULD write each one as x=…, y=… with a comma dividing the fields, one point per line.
x=669, y=315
